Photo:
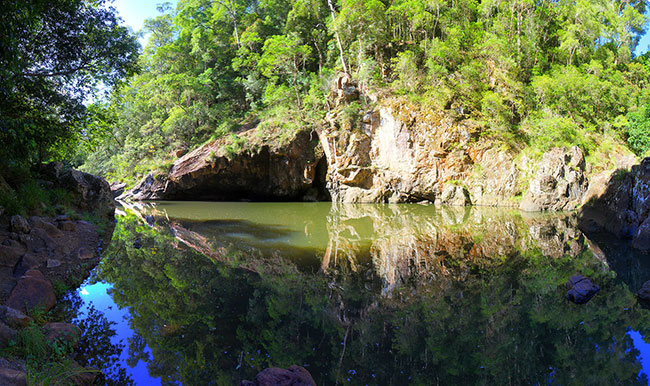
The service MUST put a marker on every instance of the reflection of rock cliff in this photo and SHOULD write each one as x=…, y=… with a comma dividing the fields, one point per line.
x=400, y=242
x=411, y=244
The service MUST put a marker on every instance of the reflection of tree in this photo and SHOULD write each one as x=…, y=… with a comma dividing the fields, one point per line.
x=479, y=318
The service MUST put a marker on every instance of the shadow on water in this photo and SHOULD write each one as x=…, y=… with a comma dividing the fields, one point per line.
x=369, y=294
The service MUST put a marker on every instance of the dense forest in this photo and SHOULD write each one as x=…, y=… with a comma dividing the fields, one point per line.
x=539, y=73
x=533, y=73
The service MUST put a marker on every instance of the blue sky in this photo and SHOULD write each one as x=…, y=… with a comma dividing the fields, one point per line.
x=135, y=13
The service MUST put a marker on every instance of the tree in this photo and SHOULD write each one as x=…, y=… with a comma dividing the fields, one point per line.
x=54, y=55
x=284, y=55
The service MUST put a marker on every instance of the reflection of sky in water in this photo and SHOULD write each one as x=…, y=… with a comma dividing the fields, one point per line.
x=103, y=302
x=644, y=349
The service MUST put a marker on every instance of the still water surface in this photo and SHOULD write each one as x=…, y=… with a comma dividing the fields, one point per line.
x=212, y=293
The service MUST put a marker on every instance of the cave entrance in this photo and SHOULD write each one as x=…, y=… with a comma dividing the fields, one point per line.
x=320, y=180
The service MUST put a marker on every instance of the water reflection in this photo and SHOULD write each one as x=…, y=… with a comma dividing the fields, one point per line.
x=368, y=294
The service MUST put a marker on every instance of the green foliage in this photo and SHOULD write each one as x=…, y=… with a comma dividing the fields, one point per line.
x=53, y=55
x=513, y=67
x=638, y=130
x=31, y=197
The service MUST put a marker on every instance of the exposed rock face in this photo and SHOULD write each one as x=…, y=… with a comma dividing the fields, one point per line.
x=400, y=154
x=581, y=289
x=288, y=171
x=293, y=376
x=559, y=183
x=623, y=207
x=117, y=188
x=92, y=193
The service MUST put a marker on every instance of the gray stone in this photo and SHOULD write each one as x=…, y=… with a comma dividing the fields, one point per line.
x=52, y=263
x=11, y=377
x=273, y=376
x=13, y=318
x=559, y=183
x=67, y=226
x=19, y=224
x=7, y=335
x=453, y=195
x=84, y=254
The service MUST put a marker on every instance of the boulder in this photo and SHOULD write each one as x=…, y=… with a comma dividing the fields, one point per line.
x=13, y=318
x=293, y=376
x=149, y=188
x=67, y=226
x=84, y=254
x=581, y=289
x=7, y=335
x=559, y=183
x=62, y=332
x=19, y=224
x=11, y=377
x=32, y=291
x=43, y=224
x=10, y=255
x=92, y=193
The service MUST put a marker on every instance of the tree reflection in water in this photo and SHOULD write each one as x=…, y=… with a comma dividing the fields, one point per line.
x=396, y=295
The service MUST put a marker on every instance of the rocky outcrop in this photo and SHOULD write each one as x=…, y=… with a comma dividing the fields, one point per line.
x=90, y=193
x=559, y=183
x=26, y=259
x=284, y=172
x=623, y=208
x=401, y=153
x=117, y=189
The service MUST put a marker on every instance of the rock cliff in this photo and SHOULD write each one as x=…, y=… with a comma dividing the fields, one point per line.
x=398, y=152
x=621, y=206
x=289, y=171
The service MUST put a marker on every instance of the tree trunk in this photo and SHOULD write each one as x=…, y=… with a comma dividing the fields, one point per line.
x=338, y=39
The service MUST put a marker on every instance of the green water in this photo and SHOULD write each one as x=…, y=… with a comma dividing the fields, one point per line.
x=369, y=294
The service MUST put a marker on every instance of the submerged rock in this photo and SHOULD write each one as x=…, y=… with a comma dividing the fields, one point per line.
x=293, y=376
x=581, y=289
